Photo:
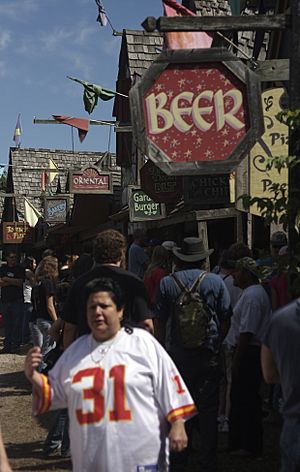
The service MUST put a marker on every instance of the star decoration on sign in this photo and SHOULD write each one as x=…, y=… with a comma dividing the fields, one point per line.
x=193, y=132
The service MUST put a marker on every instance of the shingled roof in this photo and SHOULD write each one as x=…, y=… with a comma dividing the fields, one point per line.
x=27, y=182
x=142, y=49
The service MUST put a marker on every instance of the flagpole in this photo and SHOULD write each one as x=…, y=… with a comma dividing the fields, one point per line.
x=72, y=137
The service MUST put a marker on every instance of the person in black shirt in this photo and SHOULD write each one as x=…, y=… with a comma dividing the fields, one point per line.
x=109, y=256
x=12, y=276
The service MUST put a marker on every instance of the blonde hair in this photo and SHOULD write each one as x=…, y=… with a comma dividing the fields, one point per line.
x=47, y=268
x=159, y=258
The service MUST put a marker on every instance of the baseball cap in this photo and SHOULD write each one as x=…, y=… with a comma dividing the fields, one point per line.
x=168, y=245
x=249, y=264
x=278, y=239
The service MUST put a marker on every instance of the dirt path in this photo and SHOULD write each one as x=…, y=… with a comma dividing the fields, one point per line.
x=24, y=435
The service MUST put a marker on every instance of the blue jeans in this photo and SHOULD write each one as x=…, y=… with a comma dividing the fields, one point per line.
x=58, y=435
x=47, y=342
x=26, y=333
x=290, y=445
x=13, y=319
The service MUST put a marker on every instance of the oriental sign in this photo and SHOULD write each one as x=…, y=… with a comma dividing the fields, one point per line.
x=91, y=180
x=142, y=207
x=56, y=209
x=18, y=233
x=196, y=110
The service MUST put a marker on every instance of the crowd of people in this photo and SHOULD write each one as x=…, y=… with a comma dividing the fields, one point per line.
x=146, y=346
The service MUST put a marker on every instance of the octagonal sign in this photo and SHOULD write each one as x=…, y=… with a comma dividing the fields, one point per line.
x=196, y=111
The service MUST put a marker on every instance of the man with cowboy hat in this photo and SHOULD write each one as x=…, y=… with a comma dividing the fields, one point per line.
x=200, y=366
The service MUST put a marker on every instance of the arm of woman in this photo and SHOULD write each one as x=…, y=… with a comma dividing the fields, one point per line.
x=4, y=465
x=51, y=307
x=177, y=436
x=32, y=361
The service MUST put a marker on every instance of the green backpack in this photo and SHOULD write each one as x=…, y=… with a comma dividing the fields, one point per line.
x=192, y=314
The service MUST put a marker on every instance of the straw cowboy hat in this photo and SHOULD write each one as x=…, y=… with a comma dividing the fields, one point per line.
x=192, y=250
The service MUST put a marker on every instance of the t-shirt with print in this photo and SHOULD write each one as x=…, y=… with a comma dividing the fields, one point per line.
x=12, y=293
x=40, y=292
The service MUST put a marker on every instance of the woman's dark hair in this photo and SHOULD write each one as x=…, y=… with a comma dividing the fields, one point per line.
x=28, y=263
x=105, y=285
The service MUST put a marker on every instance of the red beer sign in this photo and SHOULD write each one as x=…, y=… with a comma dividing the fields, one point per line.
x=196, y=111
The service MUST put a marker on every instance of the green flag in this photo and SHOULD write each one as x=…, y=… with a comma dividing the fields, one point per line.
x=91, y=94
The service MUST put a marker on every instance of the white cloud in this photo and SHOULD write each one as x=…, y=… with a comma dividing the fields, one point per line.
x=5, y=38
x=3, y=69
x=78, y=35
x=16, y=9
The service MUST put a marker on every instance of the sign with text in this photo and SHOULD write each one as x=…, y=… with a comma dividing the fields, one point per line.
x=56, y=209
x=274, y=142
x=91, y=180
x=17, y=233
x=159, y=186
x=204, y=190
x=142, y=207
x=196, y=110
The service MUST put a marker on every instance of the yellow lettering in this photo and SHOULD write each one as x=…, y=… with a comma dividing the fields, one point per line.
x=229, y=117
x=199, y=111
x=177, y=111
x=155, y=108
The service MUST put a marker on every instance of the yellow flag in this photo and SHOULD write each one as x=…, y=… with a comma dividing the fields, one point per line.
x=51, y=175
x=31, y=213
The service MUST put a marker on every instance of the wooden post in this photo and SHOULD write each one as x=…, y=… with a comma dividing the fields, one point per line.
x=294, y=142
x=202, y=234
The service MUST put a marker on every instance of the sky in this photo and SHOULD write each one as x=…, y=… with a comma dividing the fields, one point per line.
x=44, y=41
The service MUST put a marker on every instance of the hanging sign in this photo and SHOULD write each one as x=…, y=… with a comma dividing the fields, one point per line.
x=196, y=111
x=205, y=190
x=159, y=186
x=142, y=207
x=56, y=209
x=274, y=142
x=17, y=233
x=91, y=180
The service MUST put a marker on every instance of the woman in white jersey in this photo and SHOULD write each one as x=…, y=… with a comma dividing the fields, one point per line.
x=126, y=399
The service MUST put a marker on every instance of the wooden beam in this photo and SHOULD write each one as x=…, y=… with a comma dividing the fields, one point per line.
x=119, y=127
x=273, y=70
x=166, y=24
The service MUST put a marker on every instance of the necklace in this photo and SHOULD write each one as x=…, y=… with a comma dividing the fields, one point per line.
x=99, y=350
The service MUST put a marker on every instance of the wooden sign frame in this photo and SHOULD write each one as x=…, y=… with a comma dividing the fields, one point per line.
x=28, y=237
x=90, y=190
x=197, y=56
x=58, y=197
x=132, y=215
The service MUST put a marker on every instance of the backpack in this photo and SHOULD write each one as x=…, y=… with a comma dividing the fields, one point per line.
x=192, y=314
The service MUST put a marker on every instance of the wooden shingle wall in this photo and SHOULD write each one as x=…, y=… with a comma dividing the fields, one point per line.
x=27, y=182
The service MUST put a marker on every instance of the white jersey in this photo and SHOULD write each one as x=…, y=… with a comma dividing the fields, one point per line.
x=121, y=395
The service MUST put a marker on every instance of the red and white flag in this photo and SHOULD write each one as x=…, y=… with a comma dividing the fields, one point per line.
x=184, y=40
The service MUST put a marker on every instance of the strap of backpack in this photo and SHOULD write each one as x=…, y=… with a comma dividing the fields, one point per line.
x=197, y=282
x=195, y=285
x=179, y=284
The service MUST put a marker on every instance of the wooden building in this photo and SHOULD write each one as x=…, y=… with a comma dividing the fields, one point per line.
x=85, y=212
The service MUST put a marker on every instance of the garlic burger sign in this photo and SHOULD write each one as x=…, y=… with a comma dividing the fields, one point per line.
x=196, y=110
